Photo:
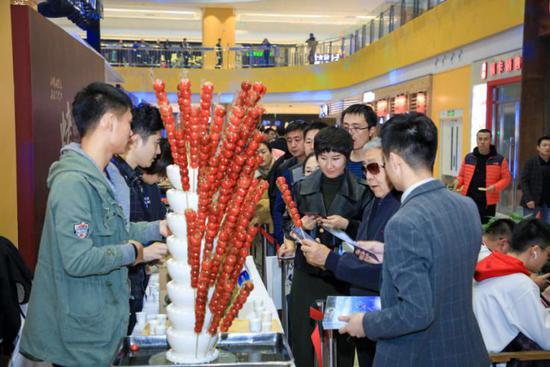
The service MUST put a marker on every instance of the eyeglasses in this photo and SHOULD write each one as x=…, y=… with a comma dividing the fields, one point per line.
x=372, y=168
x=354, y=129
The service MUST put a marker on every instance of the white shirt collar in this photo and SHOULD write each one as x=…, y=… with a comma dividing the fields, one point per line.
x=411, y=188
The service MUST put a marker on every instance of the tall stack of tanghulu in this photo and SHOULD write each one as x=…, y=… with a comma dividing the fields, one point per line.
x=213, y=200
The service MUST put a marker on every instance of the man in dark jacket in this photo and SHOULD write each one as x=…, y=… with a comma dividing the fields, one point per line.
x=294, y=136
x=141, y=152
x=535, y=182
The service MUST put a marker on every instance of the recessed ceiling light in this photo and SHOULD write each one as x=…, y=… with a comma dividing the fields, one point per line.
x=152, y=11
x=275, y=15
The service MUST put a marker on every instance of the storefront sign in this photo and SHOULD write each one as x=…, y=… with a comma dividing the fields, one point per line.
x=421, y=102
x=382, y=108
x=400, y=104
x=499, y=67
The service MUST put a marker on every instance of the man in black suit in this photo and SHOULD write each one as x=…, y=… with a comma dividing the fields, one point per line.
x=431, y=247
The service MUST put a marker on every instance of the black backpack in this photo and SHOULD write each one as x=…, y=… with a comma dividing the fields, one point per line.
x=15, y=289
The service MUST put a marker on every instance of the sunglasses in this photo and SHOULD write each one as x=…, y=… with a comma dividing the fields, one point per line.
x=372, y=168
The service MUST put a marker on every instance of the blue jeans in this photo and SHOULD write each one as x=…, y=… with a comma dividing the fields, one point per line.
x=543, y=209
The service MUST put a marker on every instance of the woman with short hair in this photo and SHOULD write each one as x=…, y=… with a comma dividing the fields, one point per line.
x=330, y=198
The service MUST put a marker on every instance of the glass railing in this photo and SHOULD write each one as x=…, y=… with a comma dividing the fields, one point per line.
x=393, y=15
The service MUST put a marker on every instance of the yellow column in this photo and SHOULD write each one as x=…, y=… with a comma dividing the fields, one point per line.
x=8, y=193
x=218, y=23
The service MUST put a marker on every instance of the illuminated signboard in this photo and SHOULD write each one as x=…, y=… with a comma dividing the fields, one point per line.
x=323, y=58
x=501, y=67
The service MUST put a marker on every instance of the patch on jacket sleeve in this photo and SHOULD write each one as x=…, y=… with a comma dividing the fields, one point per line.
x=81, y=230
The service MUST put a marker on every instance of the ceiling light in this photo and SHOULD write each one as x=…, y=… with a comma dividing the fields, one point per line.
x=152, y=11
x=275, y=15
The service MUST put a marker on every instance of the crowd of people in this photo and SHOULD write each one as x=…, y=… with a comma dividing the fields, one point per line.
x=450, y=291
x=376, y=184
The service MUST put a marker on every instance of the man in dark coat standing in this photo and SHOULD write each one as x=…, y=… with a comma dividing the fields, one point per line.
x=535, y=182
x=431, y=247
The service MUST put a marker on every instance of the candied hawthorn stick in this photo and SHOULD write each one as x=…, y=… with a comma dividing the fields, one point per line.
x=287, y=198
x=236, y=306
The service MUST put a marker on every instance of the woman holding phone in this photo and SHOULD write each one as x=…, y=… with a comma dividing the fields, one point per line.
x=334, y=198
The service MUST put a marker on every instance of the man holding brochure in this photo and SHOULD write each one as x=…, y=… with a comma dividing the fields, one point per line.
x=429, y=259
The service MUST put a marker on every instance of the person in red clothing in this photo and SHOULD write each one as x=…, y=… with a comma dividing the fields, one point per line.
x=483, y=175
x=507, y=300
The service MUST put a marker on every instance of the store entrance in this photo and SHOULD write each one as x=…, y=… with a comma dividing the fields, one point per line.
x=505, y=125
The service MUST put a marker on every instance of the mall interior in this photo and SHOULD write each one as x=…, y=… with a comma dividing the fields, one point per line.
x=459, y=66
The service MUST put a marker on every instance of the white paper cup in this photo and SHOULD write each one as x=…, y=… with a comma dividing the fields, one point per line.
x=255, y=324
x=266, y=316
x=141, y=317
x=153, y=325
x=162, y=319
x=266, y=327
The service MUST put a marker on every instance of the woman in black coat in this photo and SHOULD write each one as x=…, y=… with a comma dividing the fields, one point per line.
x=331, y=197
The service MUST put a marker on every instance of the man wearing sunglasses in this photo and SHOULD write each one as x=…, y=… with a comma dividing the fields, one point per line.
x=360, y=121
x=430, y=253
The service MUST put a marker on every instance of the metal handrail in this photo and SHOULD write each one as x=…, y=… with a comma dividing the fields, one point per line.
x=395, y=15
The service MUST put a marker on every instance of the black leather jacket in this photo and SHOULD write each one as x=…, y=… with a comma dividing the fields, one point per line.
x=349, y=202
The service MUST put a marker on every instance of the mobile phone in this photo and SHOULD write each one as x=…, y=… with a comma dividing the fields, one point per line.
x=312, y=214
x=301, y=234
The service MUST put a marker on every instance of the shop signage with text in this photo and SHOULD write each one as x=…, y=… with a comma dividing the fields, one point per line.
x=499, y=67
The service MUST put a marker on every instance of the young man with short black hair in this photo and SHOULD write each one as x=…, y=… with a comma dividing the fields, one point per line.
x=497, y=237
x=125, y=174
x=361, y=122
x=294, y=136
x=535, y=182
x=484, y=174
x=430, y=251
x=78, y=310
x=311, y=130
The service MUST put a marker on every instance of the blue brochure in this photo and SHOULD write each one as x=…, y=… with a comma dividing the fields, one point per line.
x=337, y=306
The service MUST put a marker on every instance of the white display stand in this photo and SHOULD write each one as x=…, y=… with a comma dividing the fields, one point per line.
x=259, y=293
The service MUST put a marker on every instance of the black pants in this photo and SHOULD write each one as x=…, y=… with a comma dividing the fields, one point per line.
x=365, y=351
x=307, y=288
x=486, y=212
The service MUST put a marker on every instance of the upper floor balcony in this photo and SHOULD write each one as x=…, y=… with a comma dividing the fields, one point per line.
x=169, y=54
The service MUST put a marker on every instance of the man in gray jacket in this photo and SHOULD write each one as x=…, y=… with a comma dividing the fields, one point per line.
x=431, y=247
